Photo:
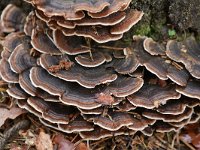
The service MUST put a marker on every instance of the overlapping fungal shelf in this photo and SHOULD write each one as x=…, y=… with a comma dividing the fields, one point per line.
x=57, y=70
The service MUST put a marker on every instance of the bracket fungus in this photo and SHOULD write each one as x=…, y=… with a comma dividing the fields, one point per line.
x=12, y=19
x=102, y=21
x=57, y=69
x=187, y=53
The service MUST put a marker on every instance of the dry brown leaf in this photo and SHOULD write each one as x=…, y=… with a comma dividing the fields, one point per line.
x=43, y=141
x=29, y=137
x=192, y=135
x=15, y=146
x=19, y=148
x=196, y=141
x=11, y=113
x=81, y=146
x=62, y=143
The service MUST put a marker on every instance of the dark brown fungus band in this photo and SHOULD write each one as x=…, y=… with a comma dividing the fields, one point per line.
x=180, y=124
x=118, y=120
x=41, y=42
x=97, y=33
x=99, y=133
x=141, y=123
x=2, y=31
x=148, y=131
x=173, y=107
x=5, y=54
x=64, y=23
x=190, y=90
x=81, y=98
x=23, y=104
x=127, y=64
x=115, y=6
x=196, y=116
x=191, y=102
x=151, y=114
x=86, y=77
x=25, y=83
x=29, y=24
x=95, y=60
x=186, y=52
x=77, y=125
x=153, y=47
x=20, y=59
x=125, y=86
x=6, y=73
x=111, y=20
x=40, y=15
x=69, y=45
x=41, y=79
x=132, y=17
x=52, y=112
x=12, y=18
x=17, y=92
x=162, y=127
x=49, y=124
x=12, y=40
x=152, y=96
x=96, y=111
x=125, y=106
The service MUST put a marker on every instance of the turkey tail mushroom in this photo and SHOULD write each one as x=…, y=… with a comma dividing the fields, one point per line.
x=63, y=63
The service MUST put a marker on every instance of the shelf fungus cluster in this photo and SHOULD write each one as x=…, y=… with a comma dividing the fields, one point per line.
x=57, y=69
x=102, y=21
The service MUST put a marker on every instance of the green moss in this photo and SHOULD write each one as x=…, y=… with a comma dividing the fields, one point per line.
x=198, y=38
x=143, y=29
x=171, y=33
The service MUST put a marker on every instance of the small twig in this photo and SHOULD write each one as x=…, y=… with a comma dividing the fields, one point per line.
x=178, y=139
x=74, y=138
x=175, y=138
x=187, y=144
x=88, y=144
x=88, y=41
x=99, y=141
x=161, y=145
x=13, y=131
x=111, y=47
x=142, y=142
x=164, y=143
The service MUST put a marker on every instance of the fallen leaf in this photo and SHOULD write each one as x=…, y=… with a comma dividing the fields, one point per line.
x=62, y=143
x=19, y=148
x=43, y=141
x=29, y=137
x=196, y=141
x=11, y=113
x=14, y=146
x=187, y=138
x=81, y=146
x=192, y=135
